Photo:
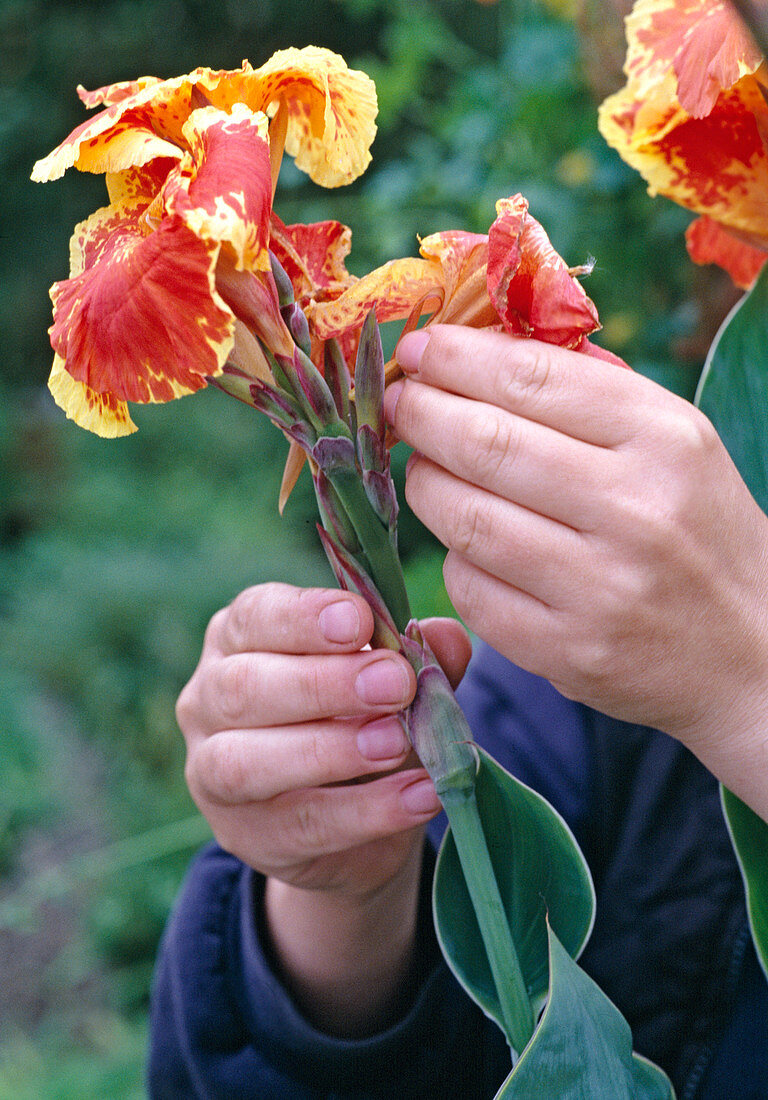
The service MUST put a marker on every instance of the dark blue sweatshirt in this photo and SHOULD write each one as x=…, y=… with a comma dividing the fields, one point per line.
x=670, y=945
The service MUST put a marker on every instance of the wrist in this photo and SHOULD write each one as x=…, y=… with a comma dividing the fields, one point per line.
x=347, y=959
x=732, y=742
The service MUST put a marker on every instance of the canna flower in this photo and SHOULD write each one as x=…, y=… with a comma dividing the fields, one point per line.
x=174, y=278
x=693, y=120
x=511, y=279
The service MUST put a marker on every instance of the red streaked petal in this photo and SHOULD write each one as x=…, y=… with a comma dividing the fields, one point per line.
x=530, y=284
x=102, y=413
x=709, y=243
x=715, y=165
x=142, y=321
x=703, y=42
x=313, y=256
x=222, y=190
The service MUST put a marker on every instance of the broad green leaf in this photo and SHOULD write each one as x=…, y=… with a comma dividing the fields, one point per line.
x=733, y=391
x=539, y=869
x=582, y=1048
x=749, y=834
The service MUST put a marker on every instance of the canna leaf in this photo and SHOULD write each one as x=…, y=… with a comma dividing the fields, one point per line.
x=749, y=834
x=539, y=868
x=582, y=1048
x=733, y=392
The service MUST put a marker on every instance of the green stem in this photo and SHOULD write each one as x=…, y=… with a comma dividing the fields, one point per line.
x=385, y=569
x=461, y=807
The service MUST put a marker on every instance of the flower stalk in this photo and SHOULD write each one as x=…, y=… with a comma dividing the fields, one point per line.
x=358, y=508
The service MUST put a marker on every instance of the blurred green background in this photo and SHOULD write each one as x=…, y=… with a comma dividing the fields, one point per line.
x=113, y=555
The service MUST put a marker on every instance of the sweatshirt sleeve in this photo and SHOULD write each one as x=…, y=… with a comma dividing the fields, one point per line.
x=223, y=1026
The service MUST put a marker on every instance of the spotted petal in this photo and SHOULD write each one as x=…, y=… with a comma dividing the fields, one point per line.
x=222, y=190
x=102, y=413
x=703, y=42
x=142, y=320
x=532, y=288
x=331, y=111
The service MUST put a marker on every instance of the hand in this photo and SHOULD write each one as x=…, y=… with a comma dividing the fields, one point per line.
x=598, y=534
x=297, y=759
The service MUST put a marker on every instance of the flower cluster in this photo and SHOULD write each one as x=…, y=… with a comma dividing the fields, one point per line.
x=693, y=120
x=189, y=272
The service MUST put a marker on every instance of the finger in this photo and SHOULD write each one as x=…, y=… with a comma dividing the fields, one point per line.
x=239, y=766
x=520, y=547
x=280, y=618
x=586, y=398
x=246, y=691
x=519, y=626
x=533, y=465
x=450, y=643
x=326, y=820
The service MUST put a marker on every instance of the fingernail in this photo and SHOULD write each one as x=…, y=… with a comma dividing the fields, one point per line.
x=383, y=682
x=410, y=350
x=420, y=798
x=340, y=622
x=383, y=739
x=391, y=398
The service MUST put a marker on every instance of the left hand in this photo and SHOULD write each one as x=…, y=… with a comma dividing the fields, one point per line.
x=598, y=534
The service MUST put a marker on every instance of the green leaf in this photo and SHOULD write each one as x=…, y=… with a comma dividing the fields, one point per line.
x=749, y=834
x=539, y=868
x=733, y=391
x=582, y=1048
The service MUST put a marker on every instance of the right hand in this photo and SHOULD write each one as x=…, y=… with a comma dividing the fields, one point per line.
x=294, y=751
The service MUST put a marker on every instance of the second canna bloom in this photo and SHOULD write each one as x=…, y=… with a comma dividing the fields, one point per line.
x=693, y=120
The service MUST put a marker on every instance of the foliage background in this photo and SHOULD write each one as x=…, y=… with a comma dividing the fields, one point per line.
x=114, y=555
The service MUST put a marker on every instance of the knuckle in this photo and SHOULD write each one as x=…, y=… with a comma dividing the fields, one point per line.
x=235, y=685
x=470, y=527
x=241, y=616
x=227, y=773
x=494, y=443
x=313, y=688
x=528, y=377
x=463, y=586
x=311, y=825
x=315, y=757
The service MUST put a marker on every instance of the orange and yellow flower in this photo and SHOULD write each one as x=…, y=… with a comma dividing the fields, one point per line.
x=511, y=279
x=693, y=120
x=162, y=279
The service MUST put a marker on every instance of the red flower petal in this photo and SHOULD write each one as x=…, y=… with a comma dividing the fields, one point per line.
x=709, y=243
x=530, y=285
x=313, y=257
x=142, y=321
x=223, y=188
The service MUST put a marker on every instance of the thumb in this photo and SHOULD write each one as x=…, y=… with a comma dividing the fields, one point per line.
x=450, y=643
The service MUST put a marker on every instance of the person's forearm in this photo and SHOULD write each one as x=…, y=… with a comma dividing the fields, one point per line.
x=347, y=961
